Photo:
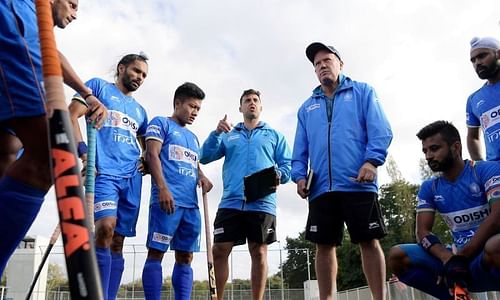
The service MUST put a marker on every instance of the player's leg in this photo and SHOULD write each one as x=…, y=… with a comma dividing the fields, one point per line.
x=485, y=268
x=365, y=223
x=325, y=228
x=261, y=231
x=161, y=229
x=126, y=221
x=11, y=146
x=416, y=268
x=373, y=260
x=228, y=232
x=185, y=242
x=106, y=197
x=25, y=184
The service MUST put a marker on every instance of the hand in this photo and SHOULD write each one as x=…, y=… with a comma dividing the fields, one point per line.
x=96, y=111
x=83, y=172
x=205, y=184
x=301, y=189
x=224, y=125
x=367, y=173
x=166, y=200
x=456, y=271
x=143, y=166
x=278, y=178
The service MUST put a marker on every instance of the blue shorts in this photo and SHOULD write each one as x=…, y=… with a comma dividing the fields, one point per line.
x=482, y=278
x=120, y=198
x=180, y=230
x=21, y=90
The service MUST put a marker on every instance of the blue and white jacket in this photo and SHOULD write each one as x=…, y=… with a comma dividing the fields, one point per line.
x=246, y=152
x=335, y=150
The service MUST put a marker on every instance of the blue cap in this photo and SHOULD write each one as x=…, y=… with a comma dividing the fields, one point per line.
x=314, y=48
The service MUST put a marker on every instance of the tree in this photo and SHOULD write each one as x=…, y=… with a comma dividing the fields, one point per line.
x=56, y=278
x=295, y=268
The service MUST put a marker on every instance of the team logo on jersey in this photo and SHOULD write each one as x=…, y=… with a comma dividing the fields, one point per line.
x=161, y=238
x=475, y=190
x=313, y=107
x=153, y=129
x=479, y=103
x=104, y=205
x=493, y=193
x=467, y=218
x=122, y=138
x=421, y=202
x=219, y=230
x=179, y=153
x=121, y=120
x=348, y=96
x=313, y=228
x=176, y=133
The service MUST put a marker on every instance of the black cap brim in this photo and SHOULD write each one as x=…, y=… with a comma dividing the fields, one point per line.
x=314, y=48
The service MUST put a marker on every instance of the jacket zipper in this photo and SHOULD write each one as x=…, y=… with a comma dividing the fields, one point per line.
x=329, y=155
x=248, y=151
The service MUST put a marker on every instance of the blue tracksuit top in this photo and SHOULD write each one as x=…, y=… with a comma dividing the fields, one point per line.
x=358, y=132
x=246, y=152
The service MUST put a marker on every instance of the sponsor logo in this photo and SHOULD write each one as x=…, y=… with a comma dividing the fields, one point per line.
x=121, y=120
x=479, y=103
x=153, y=129
x=161, y=238
x=421, y=202
x=492, y=182
x=348, y=96
x=270, y=230
x=62, y=138
x=233, y=137
x=218, y=230
x=114, y=98
x=467, y=218
x=438, y=198
x=373, y=225
x=179, y=153
x=176, y=133
x=490, y=117
x=104, y=205
x=313, y=107
x=122, y=138
x=313, y=228
x=187, y=172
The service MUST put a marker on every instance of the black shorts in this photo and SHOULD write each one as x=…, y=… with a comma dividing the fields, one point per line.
x=360, y=211
x=232, y=225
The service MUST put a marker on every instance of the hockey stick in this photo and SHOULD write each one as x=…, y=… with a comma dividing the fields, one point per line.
x=81, y=263
x=53, y=240
x=90, y=173
x=210, y=258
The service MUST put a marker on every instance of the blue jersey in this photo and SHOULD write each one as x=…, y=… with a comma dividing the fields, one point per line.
x=179, y=160
x=483, y=109
x=465, y=203
x=118, y=150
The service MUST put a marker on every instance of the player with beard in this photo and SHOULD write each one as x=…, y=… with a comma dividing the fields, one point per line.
x=483, y=106
x=466, y=195
x=118, y=162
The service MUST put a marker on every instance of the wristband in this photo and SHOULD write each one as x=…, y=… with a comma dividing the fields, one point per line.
x=428, y=241
x=81, y=148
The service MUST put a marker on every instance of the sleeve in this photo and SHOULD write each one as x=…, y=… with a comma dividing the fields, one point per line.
x=213, y=148
x=300, y=154
x=378, y=129
x=144, y=125
x=425, y=197
x=96, y=85
x=156, y=130
x=489, y=174
x=471, y=118
x=283, y=157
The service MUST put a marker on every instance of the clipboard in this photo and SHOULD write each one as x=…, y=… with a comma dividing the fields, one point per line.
x=260, y=184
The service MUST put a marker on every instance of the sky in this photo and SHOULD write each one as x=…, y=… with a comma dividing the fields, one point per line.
x=414, y=53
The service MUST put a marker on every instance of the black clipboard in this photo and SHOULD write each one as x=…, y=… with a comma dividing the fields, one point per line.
x=260, y=184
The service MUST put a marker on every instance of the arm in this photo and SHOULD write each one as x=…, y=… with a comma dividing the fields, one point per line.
x=165, y=198
x=212, y=149
x=474, y=143
x=425, y=222
x=97, y=111
x=76, y=110
x=283, y=157
x=300, y=156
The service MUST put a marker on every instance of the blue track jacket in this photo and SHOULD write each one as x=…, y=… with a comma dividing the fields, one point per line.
x=336, y=150
x=247, y=152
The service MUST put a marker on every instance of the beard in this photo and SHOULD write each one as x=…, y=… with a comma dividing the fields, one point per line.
x=491, y=71
x=444, y=165
x=129, y=84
